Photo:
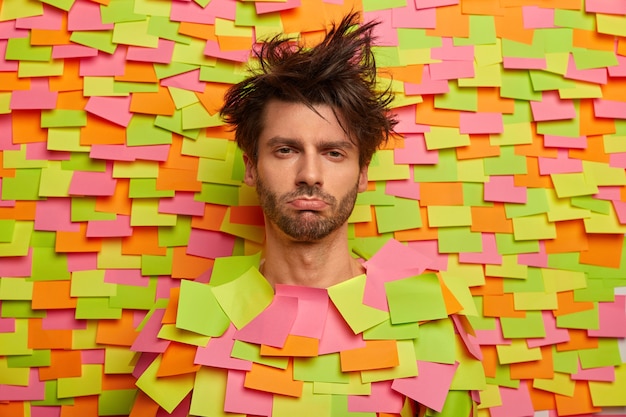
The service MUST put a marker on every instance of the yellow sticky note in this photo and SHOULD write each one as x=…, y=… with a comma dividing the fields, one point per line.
x=173, y=333
x=19, y=244
x=355, y=386
x=517, y=352
x=604, y=223
x=449, y=216
x=513, y=134
x=440, y=137
x=193, y=53
x=90, y=283
x=406, y=368
x=508, y=269
x=535, y=301
x=602, y=174
x=611, y=24
x=207, y=399
x=308, y=405
x=484, y=76
x=16, y=289
x=604, y=394
x=472, y=274
x=533, y=228
x=145, y=212
x=383, y=168
x=561, y=384
x=168, y=392
x=134, y=33
x=89, y=383
x=55, y=182
x=118, y=360
x=12, y=375
x=111, y=257
x=559, y=280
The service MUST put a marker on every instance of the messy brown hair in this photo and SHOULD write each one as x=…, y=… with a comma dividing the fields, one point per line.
x=339, y=72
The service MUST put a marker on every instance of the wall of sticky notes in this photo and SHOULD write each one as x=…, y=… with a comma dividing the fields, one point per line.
x=118, y=181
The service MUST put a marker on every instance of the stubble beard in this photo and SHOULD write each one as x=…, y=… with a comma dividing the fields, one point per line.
x=305, y=226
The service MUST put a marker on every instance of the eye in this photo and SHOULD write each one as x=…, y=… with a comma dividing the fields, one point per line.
x=285, y=150
x=335, y=154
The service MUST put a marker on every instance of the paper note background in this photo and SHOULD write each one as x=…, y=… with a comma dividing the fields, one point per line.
x=118, y=180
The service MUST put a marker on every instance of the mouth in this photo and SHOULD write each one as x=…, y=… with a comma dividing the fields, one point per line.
x=308, y=204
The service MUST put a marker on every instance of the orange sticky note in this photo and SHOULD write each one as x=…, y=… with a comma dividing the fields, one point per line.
x=117, y=332
x=144, y=241
x=451, y=22
x=590, y=125
x=490, y=101
x=480, y=147
x=543, y=368
x=189, y=266
x=441, y=194
x=117, y=203
x=143, y=406
x=172, y=307
x=296, y=346
x=63, y=364
x=377, y=354
x=570, y=237
x=275, y=380
x=141, y=72
x=178, y=359
x=212, y=218
x=52, y=295
x=82, y=406
x=427, y=114
x=77, y=241
x=510, y=25
x=579, y=403
x=567, y=304
x=491, y=219
x=500, y=306
x=160, y=102
x=26, y=125
x=213, y=96
x=602, y=250
x=178, y=180
x=38, y=338
x=100, y=131
x=69, y=81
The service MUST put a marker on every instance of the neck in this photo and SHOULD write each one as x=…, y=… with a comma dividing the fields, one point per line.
x=318, y=264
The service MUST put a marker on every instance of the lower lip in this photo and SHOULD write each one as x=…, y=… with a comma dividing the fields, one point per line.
x=309, y=204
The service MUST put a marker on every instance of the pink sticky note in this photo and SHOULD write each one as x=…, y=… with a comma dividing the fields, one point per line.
x=7, y=325
x=404, y=188
x=450, y=52
x=608, y=193
x=92, y=356
x=262, y=7
x=539, y=259
x=427, y=4
x=481, y=123
x=592, y=75
x=73, y=51
x=273, y=325
x=603, y=374
x=8, y=31
x=392, y=262
x=113, y=109
x=147, y=340
x=431, y=386
x=337, y=335
x=39, y=151
x=385, y=33
x=429, y=84
x=17, y=266
x=162, y=54
x=620, y=210
x=562, y=164
x=616, y=160
x=126, y=277
x=606, y=7
x=609, y=108
x=414, y=151
x=38, y=97
x=469, y=340
x=618, y=70
x=54, y=214
x=406, y=121
x=35, y=390
x=524, y=63
x=50, y=19
x=210, y=244
x=189, y=81
x=6, y=134
x=212, y=48
x=554, y=334
x=430, y=248
x=312, y=308
x=182, y=203
x=552, y=141
x=382, y=399
x=242, y=400
x=451, y=70
x=192, y=12
x=120, y=227
x=489, y=255
x=130, y=153
x=537, y=18
x=501, y=188
x=551, y=107
x=516, y=402
x=85, y=15
x=62, y=319
x=82, y=261
x=412, y=17
x=612, y=318
x=103, y=64
x=217, y=353
x=90, y=183
x=492, y=337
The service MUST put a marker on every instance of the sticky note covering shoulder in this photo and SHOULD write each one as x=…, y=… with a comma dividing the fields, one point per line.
x=499, y=202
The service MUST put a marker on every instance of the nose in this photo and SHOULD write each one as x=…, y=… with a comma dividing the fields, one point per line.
x=309, y=170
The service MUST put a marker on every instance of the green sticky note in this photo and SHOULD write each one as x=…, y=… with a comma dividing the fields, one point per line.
x=600, y=223
x=142, y=131
x=584, y=320
x=388, y=331
x=596, y=290
x=196, y=303
x=226, y=195
x=196, y=116
x=590, y=58
x=376, y=197
x=459, y=239
x=61, y=4
x=445, y=137
x=97, y=39
x=63, y=118
x=482, y=31
x=548, y=81
x=145, y=212
x=323, y=368
x=533, y=282
x=606, y=354
x=116, y=402
x=163, y=27
x=101, y=86
x=530, y=326
x=229, y=268
x=82, y=162
x=415, y=299
x=172, y=68
x=489, y=54
x=555, y=40
x=252, y=352
x=54, y=181
x=576, y=19
x=174, y=123
x=89, y=383
x=307, y=405
x=20, y=309
x=222, y=72
x=472, y=170
x=513, y=134
x=436, y=342
x=209, y=391
x=192, y=53
x=536, y=203
x=457, y=98
x=559, y=280
x=135, y=169
x=417, y=38
x=508, y=245
x=118, y=360
x=177, y=235
x=66, y=139
x=449, y=216
x=37, y=358
x=507, y=163
x=7, y=228
x=245, y=297
x=40, y=69
x=218, y=171
x=84, y=209
x=484, y=76
x=50, y=396
x=445, y=170
x=49, y=265
x=580, y=90
x=211, y=148
x=134, y=297
x=347, y=296
x=517, y=85
x=16, y=9
x=565, y=361
x=382, y=168
x=511, y=48
x=147, y=188
x=96, y=308
x=21, y=49
x=24, y=185
x=169, y=391
x=403, y=215
x=118, y=11
x=90, y=283
x=173, y=333
x=517, y=352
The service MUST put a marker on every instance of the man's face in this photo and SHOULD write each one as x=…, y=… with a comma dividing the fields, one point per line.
x=307, y=173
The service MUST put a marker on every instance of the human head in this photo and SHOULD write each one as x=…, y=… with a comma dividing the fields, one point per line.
x=339, y=72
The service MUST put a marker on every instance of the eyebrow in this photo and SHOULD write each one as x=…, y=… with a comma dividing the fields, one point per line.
x=341, y=144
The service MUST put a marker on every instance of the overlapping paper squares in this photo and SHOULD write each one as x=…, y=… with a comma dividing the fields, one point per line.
x=121, y=188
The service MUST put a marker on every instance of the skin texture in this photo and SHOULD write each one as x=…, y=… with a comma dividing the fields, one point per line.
x=307, y=176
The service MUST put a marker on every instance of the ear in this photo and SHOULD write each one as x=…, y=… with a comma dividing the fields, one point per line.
x=363, y=178
x=250, y=174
